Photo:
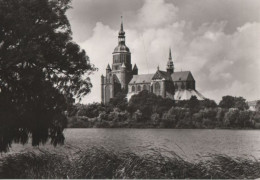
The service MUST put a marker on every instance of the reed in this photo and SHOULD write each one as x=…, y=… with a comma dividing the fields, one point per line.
x=98, y=162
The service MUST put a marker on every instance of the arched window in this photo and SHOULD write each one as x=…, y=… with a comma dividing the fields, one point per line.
x=133, y=89
x=157, y=88
x=144, y=87
x=138, y=88
x=176, y=86
x=188, y=85
x=182, y=86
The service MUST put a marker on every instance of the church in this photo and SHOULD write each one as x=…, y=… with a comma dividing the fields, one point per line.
x=122, y=77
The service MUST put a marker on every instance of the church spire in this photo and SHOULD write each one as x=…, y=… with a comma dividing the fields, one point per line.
x=170, y=54
x=170, y=66
x=121, y=34
x=122, y=27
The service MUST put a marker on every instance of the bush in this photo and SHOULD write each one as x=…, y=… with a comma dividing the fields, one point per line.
x=107, y=164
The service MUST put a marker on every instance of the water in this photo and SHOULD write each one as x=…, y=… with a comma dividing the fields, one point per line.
x=185, y=142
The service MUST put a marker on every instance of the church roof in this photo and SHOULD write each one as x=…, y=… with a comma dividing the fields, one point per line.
x=142, y=78
x=108, y=67
x=135, y=67
x=121, y=43
x=162, y=74
x=182, y=76
x=121, y=48
x=186, y=95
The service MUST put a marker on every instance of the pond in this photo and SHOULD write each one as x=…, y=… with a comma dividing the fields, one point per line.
x=188, y=143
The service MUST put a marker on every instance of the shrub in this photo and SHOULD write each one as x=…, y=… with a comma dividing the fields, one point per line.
x=102, y=163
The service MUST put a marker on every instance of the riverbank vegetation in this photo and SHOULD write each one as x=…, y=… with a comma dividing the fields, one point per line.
x=102, y=163
x=146, y=110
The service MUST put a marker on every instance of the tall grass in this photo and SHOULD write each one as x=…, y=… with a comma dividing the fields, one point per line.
x=102, y=163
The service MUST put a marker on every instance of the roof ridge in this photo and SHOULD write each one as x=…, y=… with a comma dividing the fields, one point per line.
x=181, y=71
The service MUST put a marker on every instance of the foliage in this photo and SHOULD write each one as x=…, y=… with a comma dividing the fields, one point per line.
x=227, y=102
x=148, y=103
x=119, y=101
x=193, y=104
x=41, y=71
x=146, y=110
x=257, y=106
x=233, y=102
x=90, y=110
x=101, y=163
x=207, y=103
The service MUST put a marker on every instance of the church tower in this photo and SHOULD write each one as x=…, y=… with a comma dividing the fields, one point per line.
x=121, y=52
x=117, y=77
x=170, y=66
x=122, y=66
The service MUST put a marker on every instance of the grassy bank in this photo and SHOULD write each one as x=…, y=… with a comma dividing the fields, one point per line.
x=103, y=163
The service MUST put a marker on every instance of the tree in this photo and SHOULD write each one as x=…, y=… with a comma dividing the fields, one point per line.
x=194, y=104
x=227, y=102
x=41, y=71
x=207, y=103
x=90, y=110
x=119, y=101
x=233, y=102
x=148, y=103
x=244, y=119
x=257, y=107
x=241, y=104
x=231, y=118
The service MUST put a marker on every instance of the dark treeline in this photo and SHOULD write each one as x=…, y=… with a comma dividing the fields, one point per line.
x=146, y=110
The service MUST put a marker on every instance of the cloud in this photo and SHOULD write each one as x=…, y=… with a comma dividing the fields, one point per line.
x=156, y=14
x=99, y=48
x=222, y=63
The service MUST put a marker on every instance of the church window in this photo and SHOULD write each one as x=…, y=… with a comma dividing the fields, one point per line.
x=188, y=85
x=182, y=86
x=133, y=89
x=157, y=88
x=138, y=88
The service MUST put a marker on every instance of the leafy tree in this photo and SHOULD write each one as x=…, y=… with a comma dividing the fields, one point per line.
x=227, y=102
x=233, y=102
x=148, y=103
x=257, y=107
x=194, y=104
x=119, y=101
x=207, y=103
x=90, y=110
x=231, y=118
x=183, y=103
x=41, y=71
x=244, y=119
x=240, y=103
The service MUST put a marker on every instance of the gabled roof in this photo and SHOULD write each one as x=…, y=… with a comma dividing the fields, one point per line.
x=162, y=74
x=182, y=76
x=142, y=78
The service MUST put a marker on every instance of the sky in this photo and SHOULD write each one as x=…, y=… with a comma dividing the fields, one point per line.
x=217, y=40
